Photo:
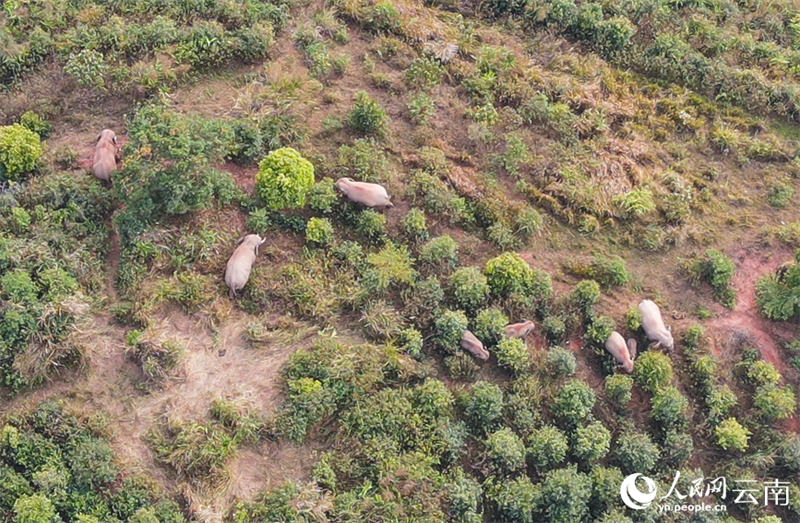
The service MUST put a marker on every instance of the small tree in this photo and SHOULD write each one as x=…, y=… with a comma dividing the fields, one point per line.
x=635, y=452
x=731, y=435
x=489, y=325
x=505, y=451
x=565, y=495
x=653, y=370
x=368, y=117
x=483, y=405
x=512, y=353
x=469, y=288
x=574, y=402
x=508, y=273
x=450, y=327
x=592, y=442
x=20, y=150
x=284, y=178
x=547, y=447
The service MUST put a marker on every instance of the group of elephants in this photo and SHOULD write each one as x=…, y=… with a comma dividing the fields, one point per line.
x=237, y=270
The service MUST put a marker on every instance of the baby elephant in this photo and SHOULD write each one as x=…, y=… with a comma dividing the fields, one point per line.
x=105, y=156
x=519, y=330
x=237, y=271
x=615, y=344
x=653, y=324
x=369, y=194
x=474, y=346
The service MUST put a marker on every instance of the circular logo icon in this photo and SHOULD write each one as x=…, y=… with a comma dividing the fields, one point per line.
x=635, y=498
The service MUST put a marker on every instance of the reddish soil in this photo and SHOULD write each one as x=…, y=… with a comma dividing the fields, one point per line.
x=245, y=176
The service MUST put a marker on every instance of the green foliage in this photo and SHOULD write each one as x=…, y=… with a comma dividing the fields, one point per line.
x=508, y=273
x=586, y=295
x=368, y=117
x=618, y=388
x=514, y=500
x=365, y=160
x=36, y=123
x=591, y=442
x=718, y=270
x=780, y=195
x=489, y=325
x=421, y=108
x=560, y=362
x=720, y=401
x=483, y=406
x=372, y=225
x=463, y=495
x=505, y=451
x=731, y=435
x=441, y=251
x=598, y=329
x=565, y=495
x=512, y=354
x=319, y=231
x=449, y=328
x=284, y=178
x=547, y=447
x=322, y=196
x=635, y=203
x=411, y=342
x=635, y=452
x=470, y=288
x=20, y=150
x=677, y=448
x=554, y=328
x=35, y=509
x=653, y=371
x=573, y=403
x=762, y=372
x=778, y=294
x=669, y=409
x=197, y=451
x=424, y=73
x=88, y=68
x=415, y=225
x=789, y=453
x=775, y=403
x=608, y=271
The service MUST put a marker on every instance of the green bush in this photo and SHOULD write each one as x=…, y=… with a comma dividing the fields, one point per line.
x=720, y=401
x=449, y=329
x=608, y=271
x=718, y=270
x=635, y=452
x=514, y=500
x=441, y=251
x=20, y=150
x=677, y=448
x=547, y=447
x=560, y=362
x=470, y=288
x=365, y=161
x=322, y=197
x=489, y=325
x=411, y=342
x=653, y=371
x=284, y=178
x=762, y=372
x=598, y=329
x=483, y=406
x=554, y=328
x=512, y=354
x=34, y=122
x=508, y=273
x=789, y=453
x=731, y=435
x=372, y=225
x=319, y=231
x=505, y=451
x=669, y=409
x=780, y=195
x=633, y=319
x=368, y=117
x=591, y=442
x=464, y=496
x=778, y=294
x=565, y=495
x=618, y=388
x=637, y=202
x=35, y=509
x=573, y=403
x=585, y=296
x=415, y=225
x=775, y=403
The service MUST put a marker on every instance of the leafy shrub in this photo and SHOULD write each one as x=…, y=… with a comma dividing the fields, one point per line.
x=554, y=328
x=284, y=178
x=775, y=403
x=720, y=401
x=653, y=371
x=441, y=251
x=573, y=403
x=598, y=329
x=483, y=406
x=789, y=453
x=424, y=73
x=505, y=451
x=605, y=492
x=20, y=150
x=415, y=225
x=508, y=273
x=731, y=435
x=565, y=495
x=512, y=353
x=372, y=225
x=514, y=500
x=463, y=495
x=762, y=372
x=307, y=404
x=780, y=195
x=35, y=509
x=449, y=328
x=633, y=319
x=716, y=269
x=592, y=442
x=364, y=161
x=192, y=449
x=669, y=409
x=322, y=196
x=608, y=271
x=586, y=295
x=34, y=122
x=470, y=288
x=636, y=202
x=635, y=452
x=410, y=341
x=421, y=108
x=368, y=117
x=489, y=325
x=560, y=362
x=777, y=294
x=547, y=447
x=618, y=388
x=319, y=231
x=88, y=68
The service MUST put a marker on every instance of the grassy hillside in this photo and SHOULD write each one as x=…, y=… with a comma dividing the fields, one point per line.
x=549, y=161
